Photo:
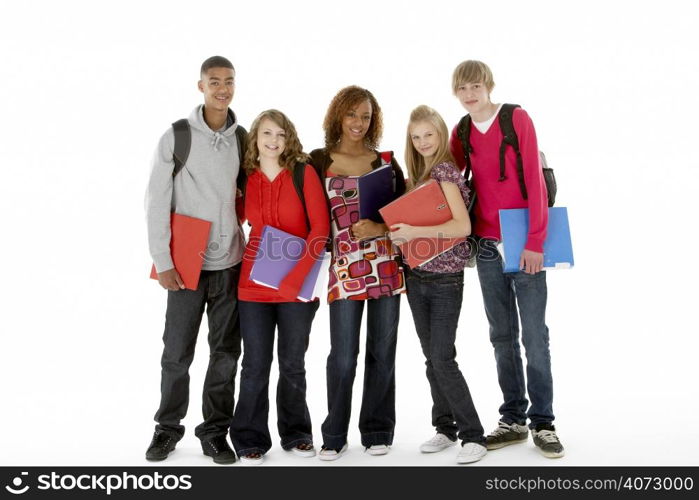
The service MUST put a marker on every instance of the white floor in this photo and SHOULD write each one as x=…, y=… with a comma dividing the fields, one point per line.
x=89, y=408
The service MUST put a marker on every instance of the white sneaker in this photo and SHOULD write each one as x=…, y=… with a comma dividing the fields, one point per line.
x=329, y=454
x=437, y=443
x=377, y=449
x=470, y=452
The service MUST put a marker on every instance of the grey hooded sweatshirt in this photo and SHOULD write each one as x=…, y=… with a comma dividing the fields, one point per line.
x=205, y=188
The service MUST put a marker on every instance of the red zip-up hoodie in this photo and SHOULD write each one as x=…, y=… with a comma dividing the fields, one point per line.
x=276, y=203
x=492, y=195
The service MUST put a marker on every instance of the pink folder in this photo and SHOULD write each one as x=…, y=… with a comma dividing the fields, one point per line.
x=423, y=206
x=189, y=237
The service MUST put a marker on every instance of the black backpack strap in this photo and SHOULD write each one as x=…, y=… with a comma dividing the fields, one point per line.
x=463, y=130
x=298, y=176
x=241, y=138
x=320, y=161
x=509, y=136
x=183, y=143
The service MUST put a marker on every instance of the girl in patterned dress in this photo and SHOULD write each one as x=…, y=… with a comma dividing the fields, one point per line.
x=366, y=269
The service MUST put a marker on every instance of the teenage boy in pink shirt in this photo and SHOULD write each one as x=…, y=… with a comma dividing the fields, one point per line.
x=505, y=293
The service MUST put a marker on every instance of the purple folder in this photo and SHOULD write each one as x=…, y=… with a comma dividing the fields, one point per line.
x=277, y=255
x=375, y=191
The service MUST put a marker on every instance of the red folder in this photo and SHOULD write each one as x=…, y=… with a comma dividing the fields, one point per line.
x=423, y=206
x=188, y=240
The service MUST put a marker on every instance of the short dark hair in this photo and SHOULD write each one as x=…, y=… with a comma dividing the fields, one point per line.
x=215, y=62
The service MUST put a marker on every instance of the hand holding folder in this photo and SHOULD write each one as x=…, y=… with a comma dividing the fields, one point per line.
x=514, y=227
x=277, y=255
x=425, y=205
x=188, y=240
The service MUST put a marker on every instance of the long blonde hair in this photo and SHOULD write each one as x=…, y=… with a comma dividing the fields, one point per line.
x=418, y=171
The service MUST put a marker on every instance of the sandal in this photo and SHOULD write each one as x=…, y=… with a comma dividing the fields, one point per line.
x=305, y=450
x=252, y=458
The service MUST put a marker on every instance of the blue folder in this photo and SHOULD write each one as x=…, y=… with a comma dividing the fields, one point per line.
x=514, y=228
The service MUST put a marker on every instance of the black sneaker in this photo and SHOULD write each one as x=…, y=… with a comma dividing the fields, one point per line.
x=546, y=440
x=218, y=449
x=506, y=434
x=160, y=447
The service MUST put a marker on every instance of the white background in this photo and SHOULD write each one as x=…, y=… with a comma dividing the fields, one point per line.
x=89, y=87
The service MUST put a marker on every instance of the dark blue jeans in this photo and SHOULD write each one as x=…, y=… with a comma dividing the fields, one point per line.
x=435, y=301
x=503, y=293
x=377, y=418
x=217, y=293
x=258, y=321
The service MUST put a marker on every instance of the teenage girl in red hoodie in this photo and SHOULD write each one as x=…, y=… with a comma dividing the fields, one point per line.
x=273, y=151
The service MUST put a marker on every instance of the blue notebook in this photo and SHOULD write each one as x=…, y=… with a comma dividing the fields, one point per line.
x=375, y=191
x=514, y=227
x=276, y=257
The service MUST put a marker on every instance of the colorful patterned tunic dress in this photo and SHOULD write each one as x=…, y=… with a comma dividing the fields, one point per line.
x=360, y=270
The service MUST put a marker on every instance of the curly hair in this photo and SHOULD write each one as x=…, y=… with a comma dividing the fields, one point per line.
x=293, y=149
x=342, y=103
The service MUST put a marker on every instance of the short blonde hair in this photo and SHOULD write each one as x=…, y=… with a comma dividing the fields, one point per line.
x=418, y=170
x=472, y=71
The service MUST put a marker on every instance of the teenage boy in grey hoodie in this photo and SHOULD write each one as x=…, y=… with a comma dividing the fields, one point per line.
x=205, y=188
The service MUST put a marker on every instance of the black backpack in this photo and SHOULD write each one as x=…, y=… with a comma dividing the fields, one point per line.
x=183, y=143
x=509, y=137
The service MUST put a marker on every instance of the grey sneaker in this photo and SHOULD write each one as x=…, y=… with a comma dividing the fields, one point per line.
x=546, y=440
x=506, y=434
x=437, y=443
x=470, y=452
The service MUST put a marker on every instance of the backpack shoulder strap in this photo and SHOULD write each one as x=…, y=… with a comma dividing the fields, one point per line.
x=241, y=137
x=463, y=130
x=319, y=161
x=183, y=143
x=298, y=176
x=509, y=137
x=388, y=158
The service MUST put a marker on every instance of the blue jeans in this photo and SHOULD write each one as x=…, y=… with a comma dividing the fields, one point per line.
x=503, y=293
x=258, y=321
x=217, y=293
x=377, y=418
x=435, y=301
